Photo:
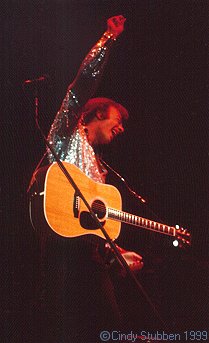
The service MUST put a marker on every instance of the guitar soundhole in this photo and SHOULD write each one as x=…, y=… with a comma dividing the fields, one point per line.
x=99, y=208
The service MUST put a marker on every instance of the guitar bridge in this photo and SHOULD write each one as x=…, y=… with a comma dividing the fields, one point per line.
x=76, y=205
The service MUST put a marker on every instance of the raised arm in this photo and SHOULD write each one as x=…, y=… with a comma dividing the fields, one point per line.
x=87, y=79
x=91, y=69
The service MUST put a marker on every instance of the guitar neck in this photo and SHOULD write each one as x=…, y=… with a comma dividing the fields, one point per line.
x=128, y=218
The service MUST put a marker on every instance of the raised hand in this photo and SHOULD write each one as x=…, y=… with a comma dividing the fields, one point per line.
x=115, y=25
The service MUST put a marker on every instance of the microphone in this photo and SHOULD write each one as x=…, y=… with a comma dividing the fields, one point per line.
x=41, y=78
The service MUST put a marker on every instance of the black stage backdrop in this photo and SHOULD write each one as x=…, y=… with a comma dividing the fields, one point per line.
x=158, y=69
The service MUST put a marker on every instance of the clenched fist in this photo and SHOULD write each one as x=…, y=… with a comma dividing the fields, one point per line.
x=115, y=25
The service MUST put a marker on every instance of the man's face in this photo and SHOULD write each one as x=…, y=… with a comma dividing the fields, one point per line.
x=110, y=127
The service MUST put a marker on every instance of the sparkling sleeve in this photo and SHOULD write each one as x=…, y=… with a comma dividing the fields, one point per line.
x=82, y=88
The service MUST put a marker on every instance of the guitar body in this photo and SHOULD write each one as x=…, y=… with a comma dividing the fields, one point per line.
x=60, y=212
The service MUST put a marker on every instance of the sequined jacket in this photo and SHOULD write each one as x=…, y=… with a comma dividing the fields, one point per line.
x=67, y=134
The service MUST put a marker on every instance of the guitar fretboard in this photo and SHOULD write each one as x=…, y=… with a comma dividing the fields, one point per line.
x=141, y=222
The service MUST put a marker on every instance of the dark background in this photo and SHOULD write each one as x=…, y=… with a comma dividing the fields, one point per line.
x=158, y=69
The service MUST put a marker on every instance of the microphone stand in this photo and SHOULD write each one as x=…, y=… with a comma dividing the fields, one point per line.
x=117, y=253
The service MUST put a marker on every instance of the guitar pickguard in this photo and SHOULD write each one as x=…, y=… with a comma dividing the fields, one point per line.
x=87, y=222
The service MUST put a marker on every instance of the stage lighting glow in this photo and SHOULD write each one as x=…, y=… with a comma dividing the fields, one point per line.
x=175, y=243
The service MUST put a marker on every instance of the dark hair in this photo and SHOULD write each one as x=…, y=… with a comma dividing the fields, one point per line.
x=93, y=105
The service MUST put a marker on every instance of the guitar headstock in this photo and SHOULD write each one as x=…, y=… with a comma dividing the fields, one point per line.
x=183, y=236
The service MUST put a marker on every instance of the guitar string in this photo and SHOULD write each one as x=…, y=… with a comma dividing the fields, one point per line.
x=158, y=226
x=101, y=207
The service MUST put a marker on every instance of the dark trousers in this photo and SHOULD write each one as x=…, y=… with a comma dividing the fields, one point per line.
x=77, y=299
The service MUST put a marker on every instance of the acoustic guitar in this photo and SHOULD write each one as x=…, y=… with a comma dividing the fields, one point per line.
x=67, y=215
